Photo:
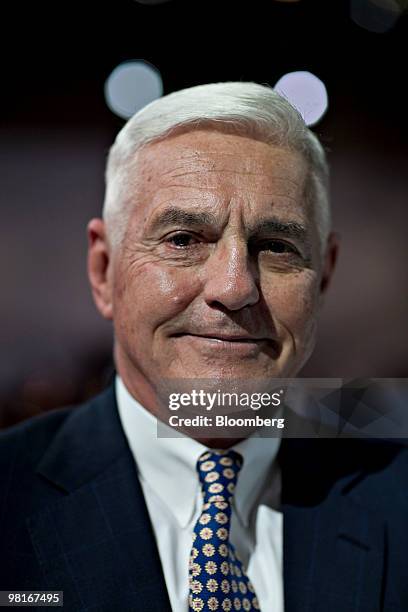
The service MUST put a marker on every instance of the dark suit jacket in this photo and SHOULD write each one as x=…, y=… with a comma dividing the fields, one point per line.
x=73, y=518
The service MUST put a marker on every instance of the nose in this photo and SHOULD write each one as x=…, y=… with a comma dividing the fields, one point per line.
x=231, y=279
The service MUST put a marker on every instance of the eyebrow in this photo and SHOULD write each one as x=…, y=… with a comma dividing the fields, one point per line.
x=174, y=216
x=289, y=229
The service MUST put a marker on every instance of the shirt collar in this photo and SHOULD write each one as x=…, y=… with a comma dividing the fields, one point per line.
x=168, y=464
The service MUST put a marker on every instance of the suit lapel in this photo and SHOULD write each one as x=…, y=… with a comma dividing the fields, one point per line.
x=96, y=542
x=333, y=547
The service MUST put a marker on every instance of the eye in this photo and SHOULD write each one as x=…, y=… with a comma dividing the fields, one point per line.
x=277, y=246
x=182, y=240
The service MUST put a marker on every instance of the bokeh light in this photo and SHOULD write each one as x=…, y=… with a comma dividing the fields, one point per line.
x=306, y=93
x=152, y=1
x=131, y=86
x=376, y=15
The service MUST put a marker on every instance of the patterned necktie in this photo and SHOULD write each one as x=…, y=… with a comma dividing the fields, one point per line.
x=216, y=577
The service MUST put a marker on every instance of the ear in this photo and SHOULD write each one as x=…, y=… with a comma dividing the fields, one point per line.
x=329, y=263
x=99, y=267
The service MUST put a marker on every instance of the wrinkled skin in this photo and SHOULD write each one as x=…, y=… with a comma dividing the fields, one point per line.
x=219, y=295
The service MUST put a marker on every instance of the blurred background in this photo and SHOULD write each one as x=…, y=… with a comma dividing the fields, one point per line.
x=70, y=74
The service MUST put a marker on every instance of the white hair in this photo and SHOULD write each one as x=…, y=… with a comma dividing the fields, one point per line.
x=246, y=108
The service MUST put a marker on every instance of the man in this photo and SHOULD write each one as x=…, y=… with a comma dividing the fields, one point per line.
x=212, y=261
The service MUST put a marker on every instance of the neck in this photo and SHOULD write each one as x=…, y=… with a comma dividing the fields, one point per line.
x=223, y=443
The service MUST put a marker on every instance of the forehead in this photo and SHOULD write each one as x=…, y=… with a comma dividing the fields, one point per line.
x=216, y=170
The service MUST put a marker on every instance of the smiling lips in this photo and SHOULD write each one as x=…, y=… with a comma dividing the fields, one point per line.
x=223, y=336
x=242, y=343
x=228, y=337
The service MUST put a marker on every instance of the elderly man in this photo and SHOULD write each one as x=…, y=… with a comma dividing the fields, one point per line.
x=212, y=261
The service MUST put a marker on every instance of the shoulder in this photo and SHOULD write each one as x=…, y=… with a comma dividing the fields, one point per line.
x=23, y=446
x=44, y=457
x=31, y=437
x=375, y=471
x=383, y=477
x=21, y=449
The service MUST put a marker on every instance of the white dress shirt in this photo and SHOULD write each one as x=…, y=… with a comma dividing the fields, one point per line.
x=171, y=487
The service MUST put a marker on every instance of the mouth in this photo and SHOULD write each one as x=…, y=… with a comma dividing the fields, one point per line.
x=229, y=342
x=226, y=337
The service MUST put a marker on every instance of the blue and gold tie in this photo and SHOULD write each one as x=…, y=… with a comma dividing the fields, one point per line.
x=216, y=577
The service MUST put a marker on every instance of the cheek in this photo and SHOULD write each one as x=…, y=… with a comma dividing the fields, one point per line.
x=293, y=303
x=153, y=295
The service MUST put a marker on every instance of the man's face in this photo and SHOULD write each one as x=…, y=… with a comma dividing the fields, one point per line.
x=220, y=271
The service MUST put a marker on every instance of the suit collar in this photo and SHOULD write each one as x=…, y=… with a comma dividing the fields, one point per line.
x=159, y=459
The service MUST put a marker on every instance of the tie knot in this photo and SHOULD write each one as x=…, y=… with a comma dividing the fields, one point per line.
x=218, y=472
